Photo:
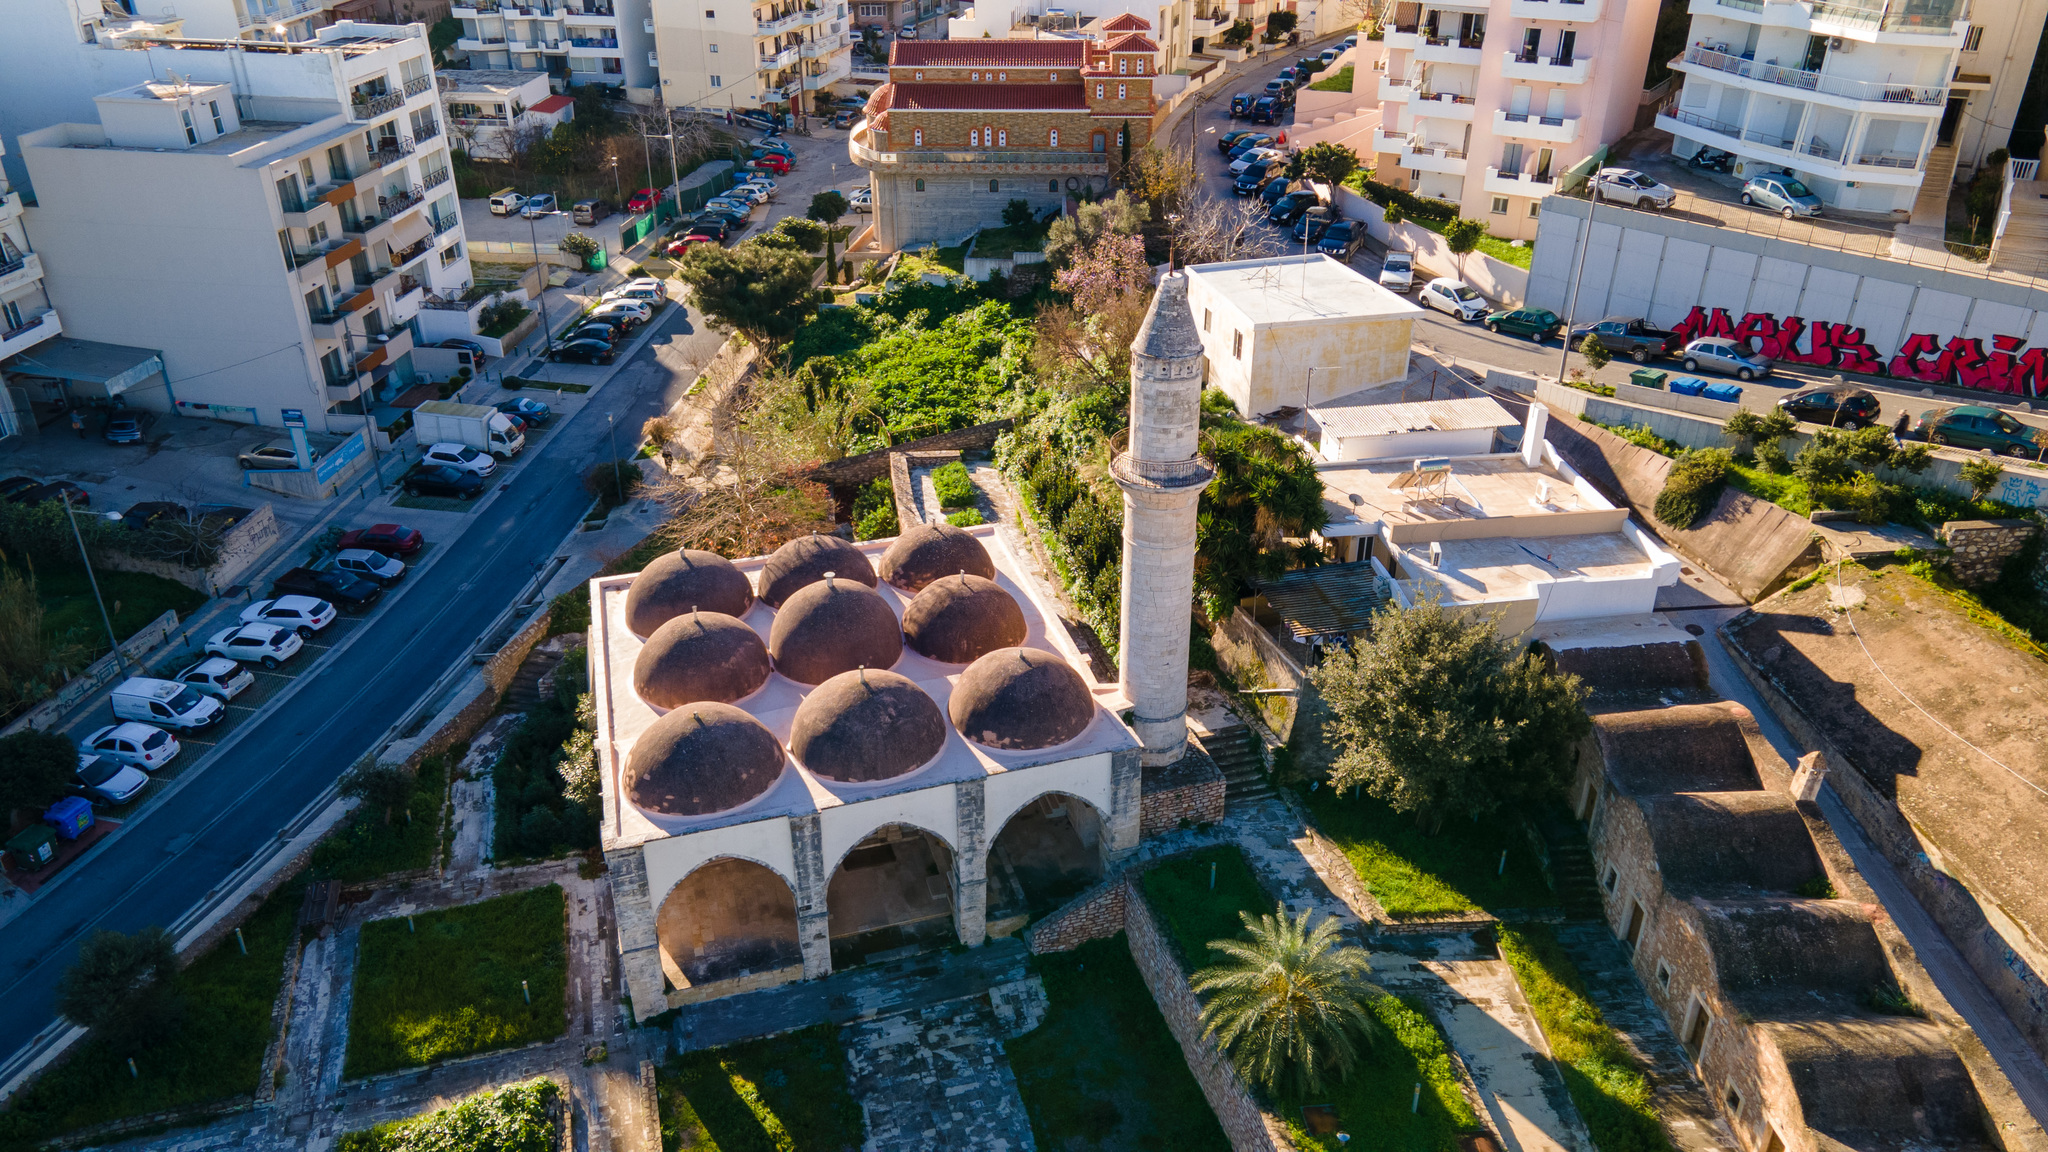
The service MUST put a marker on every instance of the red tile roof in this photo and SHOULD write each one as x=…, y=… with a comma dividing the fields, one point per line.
x=988, y=53
x=1128, y=22
x=1132, y=42
x=979, y=97
x=553, y=104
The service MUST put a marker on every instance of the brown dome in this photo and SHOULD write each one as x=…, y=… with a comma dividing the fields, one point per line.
x=866, y=725
x=1018, y=698
x=685, y=581
x=833, y=626
x=701, y=759
x=959, y=619
x=700, y=656
x=930, y=551
x=805, y=560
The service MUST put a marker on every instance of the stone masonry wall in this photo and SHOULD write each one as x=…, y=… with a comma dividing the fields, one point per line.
x=1190, y=789
x=873, y=465
x=1093, y=915
x=1980, y=548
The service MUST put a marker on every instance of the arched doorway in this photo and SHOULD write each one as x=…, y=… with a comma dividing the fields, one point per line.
x=891, y=896
x=728, y=919
x=1047, y=853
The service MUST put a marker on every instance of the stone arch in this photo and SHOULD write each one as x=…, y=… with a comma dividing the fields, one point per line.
x=730, y=918
x=892, y=890
x=1047, y=850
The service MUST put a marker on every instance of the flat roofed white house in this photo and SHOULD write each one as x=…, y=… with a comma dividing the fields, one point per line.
x=768, y=827
x=1351, y=428
x=1296, y=331
x=1518, y=534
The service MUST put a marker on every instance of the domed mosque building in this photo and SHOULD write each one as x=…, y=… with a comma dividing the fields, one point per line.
x=843, y=752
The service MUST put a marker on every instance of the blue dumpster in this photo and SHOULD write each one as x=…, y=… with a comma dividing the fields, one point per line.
x=70, y=816
x=1727, y=393
x=1687, y=385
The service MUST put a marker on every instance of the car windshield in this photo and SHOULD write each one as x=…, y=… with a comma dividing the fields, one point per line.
x=155, y=740
x=1795, y=188
x=1462, y=292
x=1397, y=263
x=2008, y=424
x=186, y=700
x=97, y=770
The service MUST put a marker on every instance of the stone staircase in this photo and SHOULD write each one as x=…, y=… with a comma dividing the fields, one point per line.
x=524, y=691
x=1571, y=865
x=1238, y=755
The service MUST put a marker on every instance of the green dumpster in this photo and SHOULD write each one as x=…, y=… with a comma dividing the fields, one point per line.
x=1648, y=378
x=34, y=848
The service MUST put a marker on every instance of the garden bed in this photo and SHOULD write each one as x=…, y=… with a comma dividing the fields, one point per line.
x=782, y=1094
x=1410, y=873
x=516, y=1118
x=455, y=982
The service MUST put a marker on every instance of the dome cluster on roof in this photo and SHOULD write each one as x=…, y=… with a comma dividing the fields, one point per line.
x=958, y=619
x=700, y=656
x=805, y=560
x=835, y=625
x=1021, y=698
x=929, y=551
x=700, y=759
x=685, y=581
x=866, y=725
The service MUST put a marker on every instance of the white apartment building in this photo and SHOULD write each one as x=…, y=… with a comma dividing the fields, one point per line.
x=607, y=42
x=26, y=317
x=1486, y=103
x=768, y=56
x=492, y=113
x=1848, y=96
x=1182, y=28
x=298, y=212
x=1990, y=77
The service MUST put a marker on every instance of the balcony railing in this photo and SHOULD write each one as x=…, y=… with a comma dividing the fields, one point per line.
x=12, y=266
x=46, y=316
x=443, y=224
x=390, y=150
x=1188, y=473
x=1672, y=111
x=480, y=7
x=281, y=13
x=423, y=132
x=1445, y=97
x=434, y=179
x=417, y=85
x=1805, y=81
x=593, y=42
x=1930, y=20
x=396, y=202
x=1435, y=41
x=412, y=251
x=1442, y=150
x=1526, y=118
x=372, y=107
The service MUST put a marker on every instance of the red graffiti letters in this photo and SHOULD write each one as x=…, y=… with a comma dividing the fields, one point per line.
x=1961, y=362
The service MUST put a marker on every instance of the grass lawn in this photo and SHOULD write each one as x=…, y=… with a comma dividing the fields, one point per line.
x=1605, y=1083
x=1413, y=874
x=783, y=1094
x=134, y=599
x=1102, y=1072
x=212, y=1050
x=449, y=984
x=1002, y=243
x=1338, y=81
x=1191, y=913
x=515, y=1118
x=1373, y=1101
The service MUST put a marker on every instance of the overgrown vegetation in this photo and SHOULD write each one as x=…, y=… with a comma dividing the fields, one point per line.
x=537, y=815
x=394, y=829
x=787, y=1093
x=1411, y=872
x=36, y=769
x=468, y=979
x=515, y=1118
x=1338, y=81
x=874, y=511
x=1693, y=486
x=1609, y=1088
x=955, y=487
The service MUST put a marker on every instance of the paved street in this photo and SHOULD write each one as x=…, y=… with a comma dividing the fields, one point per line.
x=218, y=818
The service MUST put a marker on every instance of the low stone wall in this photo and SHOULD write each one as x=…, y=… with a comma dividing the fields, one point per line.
x=902, y=466
x=1249, y=653
x=872, y=465
x=1980, y=548
x=751, y=982
x=244, y=544
x=1189, y=789
x=1093, y=915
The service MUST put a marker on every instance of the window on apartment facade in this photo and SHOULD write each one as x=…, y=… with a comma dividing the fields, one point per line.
x=1140, y=69
x=718, y=81
x=1002, y=77
x=1974, y=39
x=1122, y=91
x=191, y=133
x=219, y=126
x=714, y=47
x=1237, y=345
x=451, y=254
x=1535, y=209
x=1098, y=91
x=1052, y=185
x=1119, y=137
x=992, y=186
x=1500, y=205
x=288, y=197
x=1002, y=137
x=284, y=245
x=919, y=75
x=710, y=14
x=1053, y=76
x=974, y=137
x=332, y=364
x=1123, y=67
x=306, y=173
x=337, y=163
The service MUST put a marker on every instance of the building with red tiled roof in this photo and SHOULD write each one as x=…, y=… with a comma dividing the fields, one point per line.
x=963, y=127
x=1127, y=22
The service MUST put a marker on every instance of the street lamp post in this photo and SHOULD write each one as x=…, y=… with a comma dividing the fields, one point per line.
x=611, y=426
x=94, y=580
x=1571, y=308
x=547, y=332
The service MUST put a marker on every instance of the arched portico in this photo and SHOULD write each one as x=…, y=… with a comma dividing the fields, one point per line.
x=893, y=890
x=728, y=919
x=1049, y=850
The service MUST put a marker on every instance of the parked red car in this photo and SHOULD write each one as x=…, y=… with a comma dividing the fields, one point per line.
x=678, y=247
x=643, y=200
x=390, y=539
x=770, y=163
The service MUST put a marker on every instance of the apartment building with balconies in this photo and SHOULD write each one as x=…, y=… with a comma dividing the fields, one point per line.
x=26, y=317
x=1849, y=97
x=495, y=114
x=963, y=127
x=573, y=42
x=1486, y=103
x=271, y=221
x=773, y=56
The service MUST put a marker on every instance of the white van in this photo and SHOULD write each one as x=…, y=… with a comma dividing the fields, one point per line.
x=165, y=703
x=506, y=202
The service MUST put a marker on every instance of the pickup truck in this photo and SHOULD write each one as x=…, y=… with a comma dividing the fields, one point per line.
x=1633, y=337
x=340, y=587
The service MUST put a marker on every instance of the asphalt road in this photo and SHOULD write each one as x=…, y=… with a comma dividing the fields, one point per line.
x=166, y=863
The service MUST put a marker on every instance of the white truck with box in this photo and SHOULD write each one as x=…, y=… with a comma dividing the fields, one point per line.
x=484, y=429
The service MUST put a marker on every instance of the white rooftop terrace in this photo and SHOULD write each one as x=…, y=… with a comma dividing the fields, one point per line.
x=1282, y=290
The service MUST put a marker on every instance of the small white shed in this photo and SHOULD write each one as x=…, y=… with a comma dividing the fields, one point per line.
x=1363, y=431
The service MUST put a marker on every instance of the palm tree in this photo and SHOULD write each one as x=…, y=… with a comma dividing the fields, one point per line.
x=1290, y=1003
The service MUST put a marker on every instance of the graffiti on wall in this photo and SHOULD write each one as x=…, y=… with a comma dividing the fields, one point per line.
x=1961, y=362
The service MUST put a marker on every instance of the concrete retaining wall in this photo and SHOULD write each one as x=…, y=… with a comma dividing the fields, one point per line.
x=1251, y=655
x=1500, y=282
x=246, y=543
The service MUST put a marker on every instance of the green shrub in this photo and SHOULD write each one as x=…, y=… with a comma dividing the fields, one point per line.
x=577, y=244
x=1863, y=494
x=1771, y=458
x=874, y=511
x=515, y=1118
x=1462, y=235
x=1693, y=487
x=955, y=487
x=1596, y=354
x=1413, y=206
x=1982, y=475
x=613, y=482
x=965, y=518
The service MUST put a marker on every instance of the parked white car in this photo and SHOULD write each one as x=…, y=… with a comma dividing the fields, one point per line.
x=140, y=745
x=1454, y=296
x=647, y=291
x=754, y=195
x=460, y=457
x=766, y=190
x=265, y=644
x=1628, y=186
x=862, y=200
x=1397, y=272
x=219, y=677
x=1252, y=157
x=375, y=567
x=109, y=779
x=304, y=614
x=634, y=310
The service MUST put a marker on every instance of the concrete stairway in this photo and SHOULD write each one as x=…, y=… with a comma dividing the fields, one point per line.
x=1571, y=865
x=1237, y=754
x=1931, y=205
x=524, y=691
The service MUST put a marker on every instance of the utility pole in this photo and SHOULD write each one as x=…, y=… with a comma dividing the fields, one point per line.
x=1571, y=308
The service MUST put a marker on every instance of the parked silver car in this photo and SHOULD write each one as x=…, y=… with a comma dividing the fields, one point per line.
x=1717, y=355
x=1782, y=194
x=1628, y=186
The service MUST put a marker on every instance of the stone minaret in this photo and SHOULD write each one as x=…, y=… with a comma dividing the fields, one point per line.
x=1162, y=478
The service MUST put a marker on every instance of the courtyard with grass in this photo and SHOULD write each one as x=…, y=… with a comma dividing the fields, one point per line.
x=524, y=1117
x=451, y=983
x=1412, y=872
x=787, y=1093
